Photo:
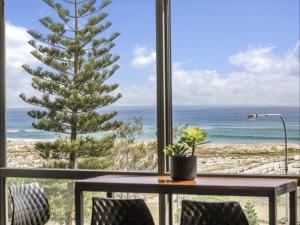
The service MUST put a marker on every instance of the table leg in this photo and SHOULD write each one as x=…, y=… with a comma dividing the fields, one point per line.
x=78, y=206
x=109, y=195
x=162, y=209
x=293, y=207
x=170, y=207
x=273, y=210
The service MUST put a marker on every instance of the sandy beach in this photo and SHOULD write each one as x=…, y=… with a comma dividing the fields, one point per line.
x=248, y=158
x=212, y=158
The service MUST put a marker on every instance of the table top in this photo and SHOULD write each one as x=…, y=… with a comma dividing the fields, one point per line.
x=203, y=182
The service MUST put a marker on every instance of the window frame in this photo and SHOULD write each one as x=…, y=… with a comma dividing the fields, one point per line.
x=164, y=118
x=164, y=122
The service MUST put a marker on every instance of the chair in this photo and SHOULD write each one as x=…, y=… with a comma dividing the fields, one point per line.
x=120, y=212
x=212, y=213
x=30, y=205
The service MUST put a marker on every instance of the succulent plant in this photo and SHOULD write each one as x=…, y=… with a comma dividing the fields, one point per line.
x=193, y=136
x=176, y=150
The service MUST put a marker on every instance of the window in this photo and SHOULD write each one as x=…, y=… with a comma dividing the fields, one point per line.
x=240, y=58
x=129, y=141
x=131, y=41
x=209, y=46
x=231, y=59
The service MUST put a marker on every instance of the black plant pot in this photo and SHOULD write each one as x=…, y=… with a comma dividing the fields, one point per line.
x=183, y=168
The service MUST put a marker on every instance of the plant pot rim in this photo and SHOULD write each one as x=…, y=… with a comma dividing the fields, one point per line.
x=179, y=156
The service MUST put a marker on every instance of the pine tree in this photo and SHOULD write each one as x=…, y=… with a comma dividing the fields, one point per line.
x=77, y=58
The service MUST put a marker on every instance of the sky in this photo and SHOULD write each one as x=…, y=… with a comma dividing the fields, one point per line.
x=241, y=53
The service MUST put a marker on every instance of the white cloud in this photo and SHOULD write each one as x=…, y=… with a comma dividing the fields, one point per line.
x=137, y=95
x=264, y=79
x=255, y=59
x=17, y=54
x=143, y=57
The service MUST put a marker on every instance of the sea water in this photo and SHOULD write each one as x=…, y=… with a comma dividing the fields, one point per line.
x=223, y=124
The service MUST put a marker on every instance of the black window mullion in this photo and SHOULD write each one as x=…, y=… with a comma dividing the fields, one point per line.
x=164, y=98
x=3, y=200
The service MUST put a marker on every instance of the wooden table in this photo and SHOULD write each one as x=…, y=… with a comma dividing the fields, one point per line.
x=263, y=187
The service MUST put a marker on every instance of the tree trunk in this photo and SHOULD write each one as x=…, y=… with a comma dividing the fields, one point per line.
x=69, y=202
x=72, y=155
x=70, y=192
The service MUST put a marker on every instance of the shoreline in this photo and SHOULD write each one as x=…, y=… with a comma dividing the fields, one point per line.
x=211, y=145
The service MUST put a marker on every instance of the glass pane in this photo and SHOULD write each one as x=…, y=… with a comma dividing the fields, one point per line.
x=62, y=204
x=254, y=207
x=241, y=58
x=151, y=201
x=61, y=207
x=93, y=79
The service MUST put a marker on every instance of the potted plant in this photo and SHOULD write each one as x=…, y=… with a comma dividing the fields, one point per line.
x=182, y=158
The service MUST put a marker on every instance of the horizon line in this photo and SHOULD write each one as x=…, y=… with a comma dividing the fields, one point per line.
x=236, y=106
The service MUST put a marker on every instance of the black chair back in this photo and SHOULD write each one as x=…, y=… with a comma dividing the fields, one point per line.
x=212, y=213
x=120, y=212
x=30, y=205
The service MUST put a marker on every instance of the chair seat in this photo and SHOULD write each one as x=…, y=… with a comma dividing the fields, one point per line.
x=212, y=213
x=120, y=212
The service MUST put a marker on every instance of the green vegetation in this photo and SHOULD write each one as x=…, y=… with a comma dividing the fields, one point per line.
x=127, y=154
x=133, y=155
x=193, y=136
x=73, y=85
x=176, y=150
x=190, y=138
x=251, y=213
x=77, y=63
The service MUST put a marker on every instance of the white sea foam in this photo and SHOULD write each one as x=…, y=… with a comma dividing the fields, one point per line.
x=21, y=130
x=13, y=131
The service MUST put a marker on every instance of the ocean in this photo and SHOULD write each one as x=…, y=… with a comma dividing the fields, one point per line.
x=223, y=124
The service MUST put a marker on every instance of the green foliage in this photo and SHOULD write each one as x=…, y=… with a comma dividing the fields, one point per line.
x=251, y=213
x=133, y=155
x=93, y=163
x=76, y=58
x=75, y=51
x=56, y=193
x=129, y=131
x=176, y=150
x=193, y=136
x=58, y=152
x=190, y=138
